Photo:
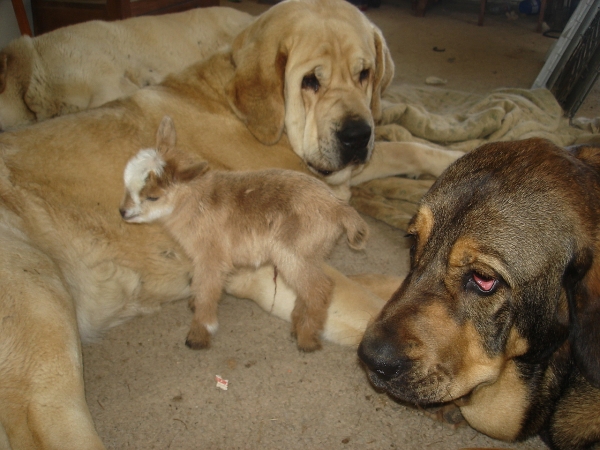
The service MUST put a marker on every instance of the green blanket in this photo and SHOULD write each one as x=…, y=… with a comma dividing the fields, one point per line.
x=460, y=121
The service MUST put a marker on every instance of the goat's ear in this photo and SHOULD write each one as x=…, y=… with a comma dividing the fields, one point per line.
x=384, y=73
x=166, y=136
x=190, y=173
x=582, y=282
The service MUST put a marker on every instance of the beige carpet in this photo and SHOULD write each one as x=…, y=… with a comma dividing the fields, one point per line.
x=146, y=390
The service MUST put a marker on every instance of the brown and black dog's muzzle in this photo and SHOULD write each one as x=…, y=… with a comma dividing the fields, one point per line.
x=381, y=356
x=386, y=362
x=402, y=349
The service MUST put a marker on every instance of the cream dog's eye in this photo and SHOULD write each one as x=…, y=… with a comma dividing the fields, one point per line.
x=364, y=75
x=152, y=199
x=311, y=82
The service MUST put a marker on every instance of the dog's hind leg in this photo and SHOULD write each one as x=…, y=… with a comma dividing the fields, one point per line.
x=42, y=399
x=207, y=286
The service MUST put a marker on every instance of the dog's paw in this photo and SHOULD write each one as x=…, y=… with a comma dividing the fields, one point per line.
x=198, y=338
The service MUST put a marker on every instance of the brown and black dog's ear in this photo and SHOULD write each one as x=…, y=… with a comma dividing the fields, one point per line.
x=256, y=92
x=384, y=73
x=584, y=300
x=3, y=71
x=582, y=283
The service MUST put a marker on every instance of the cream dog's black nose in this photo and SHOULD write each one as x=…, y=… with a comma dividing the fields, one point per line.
x=354, y=137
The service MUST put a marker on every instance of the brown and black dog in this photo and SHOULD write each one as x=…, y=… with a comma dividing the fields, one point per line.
x=500, y=312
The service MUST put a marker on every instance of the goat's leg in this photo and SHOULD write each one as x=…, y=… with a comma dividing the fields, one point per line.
x=207, y=287
x=313, y=290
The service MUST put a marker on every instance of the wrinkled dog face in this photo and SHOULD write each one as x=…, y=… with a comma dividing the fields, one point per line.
x=492, y=242
x=328, y=93
x=331, y=65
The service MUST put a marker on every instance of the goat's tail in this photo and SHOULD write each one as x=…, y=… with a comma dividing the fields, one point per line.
x=356, y=228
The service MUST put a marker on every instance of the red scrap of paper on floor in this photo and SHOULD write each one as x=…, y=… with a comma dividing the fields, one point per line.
x=221, y=383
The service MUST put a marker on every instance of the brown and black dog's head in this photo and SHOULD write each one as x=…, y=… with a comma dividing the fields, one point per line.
x=505, y=269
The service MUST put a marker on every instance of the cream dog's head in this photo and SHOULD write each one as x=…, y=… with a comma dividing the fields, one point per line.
x=316, y=69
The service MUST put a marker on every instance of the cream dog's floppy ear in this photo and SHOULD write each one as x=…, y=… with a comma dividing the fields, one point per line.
x=256, y=90
x=384, y=73
x=41, y=99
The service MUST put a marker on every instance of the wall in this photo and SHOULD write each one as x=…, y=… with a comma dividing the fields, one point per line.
x=9, y=29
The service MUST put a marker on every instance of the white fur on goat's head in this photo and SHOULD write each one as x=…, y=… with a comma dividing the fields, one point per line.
x=144, y=192
x=152, y=173
x=143, y=175
x=139, y=167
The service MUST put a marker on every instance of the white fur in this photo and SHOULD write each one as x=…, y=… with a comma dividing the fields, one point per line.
x=147, y=160
x=135, y=176
x=212, y=327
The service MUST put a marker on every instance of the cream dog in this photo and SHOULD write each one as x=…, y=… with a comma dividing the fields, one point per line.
x=228, y=220
x=86, y=65
x=71, y=268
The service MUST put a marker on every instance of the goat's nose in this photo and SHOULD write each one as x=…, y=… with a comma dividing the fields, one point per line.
x=381, y=355
x=122, y=212
x=354, y=138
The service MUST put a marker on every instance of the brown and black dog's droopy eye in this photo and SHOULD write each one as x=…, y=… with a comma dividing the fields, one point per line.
x=482, y=284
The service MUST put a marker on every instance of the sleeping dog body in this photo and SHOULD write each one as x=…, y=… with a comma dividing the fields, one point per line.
x=500, y=312
x=88, y=64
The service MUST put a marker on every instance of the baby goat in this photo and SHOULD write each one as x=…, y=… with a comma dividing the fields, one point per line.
x=226, y=220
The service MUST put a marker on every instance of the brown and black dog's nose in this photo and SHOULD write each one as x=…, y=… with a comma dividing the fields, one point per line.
x=381, y=355
x=354, y=137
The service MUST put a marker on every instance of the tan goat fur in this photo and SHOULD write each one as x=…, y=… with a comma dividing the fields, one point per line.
x=227, y=220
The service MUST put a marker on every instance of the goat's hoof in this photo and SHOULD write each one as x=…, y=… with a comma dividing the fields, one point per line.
x=308, y=343
x=198, y=339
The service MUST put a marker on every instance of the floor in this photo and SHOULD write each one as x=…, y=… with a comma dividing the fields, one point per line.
x=146, y=390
